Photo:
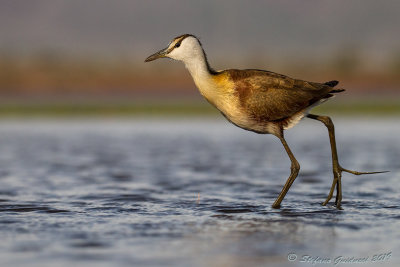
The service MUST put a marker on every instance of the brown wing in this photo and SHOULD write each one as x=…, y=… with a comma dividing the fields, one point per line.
x=270, y=96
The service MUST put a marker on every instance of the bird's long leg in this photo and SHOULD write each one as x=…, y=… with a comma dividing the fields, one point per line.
x=295, y=167
x=337, y=169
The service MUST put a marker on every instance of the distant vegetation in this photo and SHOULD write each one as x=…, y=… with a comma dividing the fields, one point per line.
x=370, y=107
x=53, y=72
x=52, y=84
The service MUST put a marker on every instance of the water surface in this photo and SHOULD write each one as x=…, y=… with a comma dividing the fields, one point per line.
x=193, y=193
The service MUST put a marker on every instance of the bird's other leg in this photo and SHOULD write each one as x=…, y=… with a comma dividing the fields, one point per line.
x=295, y=167
x=336, y=168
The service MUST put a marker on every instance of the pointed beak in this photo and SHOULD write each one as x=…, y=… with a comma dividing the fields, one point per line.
x=160, y=54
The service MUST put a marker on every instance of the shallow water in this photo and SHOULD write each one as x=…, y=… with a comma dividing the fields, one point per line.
x=193, y=193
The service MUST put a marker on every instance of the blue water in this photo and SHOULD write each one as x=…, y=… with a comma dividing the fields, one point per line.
x=174, y=192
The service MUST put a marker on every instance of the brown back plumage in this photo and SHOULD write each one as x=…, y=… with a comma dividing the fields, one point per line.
x=268, y=96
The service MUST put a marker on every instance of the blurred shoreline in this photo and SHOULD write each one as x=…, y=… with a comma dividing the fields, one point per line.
x=54, y=73
x=49, y=84
x=179, y=108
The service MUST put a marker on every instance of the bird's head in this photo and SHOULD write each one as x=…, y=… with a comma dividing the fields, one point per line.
x=183, y=48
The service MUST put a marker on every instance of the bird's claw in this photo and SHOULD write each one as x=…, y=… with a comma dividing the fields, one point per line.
x=337, y=183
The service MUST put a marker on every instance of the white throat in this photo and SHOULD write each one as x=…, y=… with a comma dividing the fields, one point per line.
x=197, y=66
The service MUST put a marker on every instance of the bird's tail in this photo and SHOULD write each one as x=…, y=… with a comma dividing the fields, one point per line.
x=333, y=84
x=337, y=90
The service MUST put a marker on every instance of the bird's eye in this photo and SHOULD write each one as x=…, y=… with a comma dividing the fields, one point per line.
x=177, y=45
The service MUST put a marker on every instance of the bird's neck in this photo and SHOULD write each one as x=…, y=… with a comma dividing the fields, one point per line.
x=199, y=67
x=201, y=73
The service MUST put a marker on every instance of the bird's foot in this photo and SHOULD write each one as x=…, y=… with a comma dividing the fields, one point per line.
x=276, y=206
x=337, y=183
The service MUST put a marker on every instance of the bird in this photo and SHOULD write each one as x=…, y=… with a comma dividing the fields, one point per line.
x=260, y=101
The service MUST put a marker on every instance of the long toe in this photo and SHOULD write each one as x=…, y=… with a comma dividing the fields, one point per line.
x=330, y=195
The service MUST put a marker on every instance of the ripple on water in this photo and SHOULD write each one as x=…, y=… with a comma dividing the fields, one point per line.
x=134, y=198
x=29, y=208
